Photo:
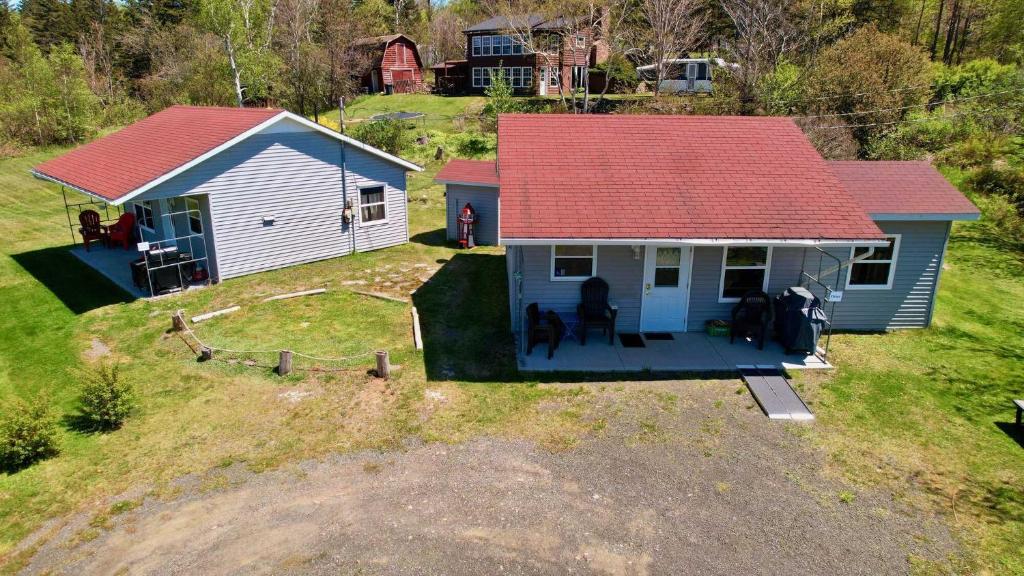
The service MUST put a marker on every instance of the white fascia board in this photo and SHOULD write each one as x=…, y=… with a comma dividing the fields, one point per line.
x=462, y=183
x=254, y=130
x=775, y=242
x=929, y=217
x=43, y=176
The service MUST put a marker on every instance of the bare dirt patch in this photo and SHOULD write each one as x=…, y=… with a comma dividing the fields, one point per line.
x=678, y=478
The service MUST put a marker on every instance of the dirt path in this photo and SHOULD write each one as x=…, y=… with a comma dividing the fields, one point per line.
x=709, y=487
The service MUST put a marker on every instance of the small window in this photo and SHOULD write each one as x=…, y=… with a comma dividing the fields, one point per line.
x=372, y=204
x=876, y=271
x=581, y=41
x=506, y=45
x=486, y=45
x=666, y=267
x=744, y=268
x=702, y=71
x=144, y=214
x=476, y=45
x=195, y=218
x=517, y=46
x=478, y=77
x=578, y=76
x=517, y=77
x=573, y=262
x=527, y=77
x=553, y=76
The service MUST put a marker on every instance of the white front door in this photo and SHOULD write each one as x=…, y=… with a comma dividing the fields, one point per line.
x=666, y=288
x=543, y=87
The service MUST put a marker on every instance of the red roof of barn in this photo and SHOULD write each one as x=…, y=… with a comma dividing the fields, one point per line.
x=914, y=187
x=478, y=172
x=669, y=177
x=115, y=165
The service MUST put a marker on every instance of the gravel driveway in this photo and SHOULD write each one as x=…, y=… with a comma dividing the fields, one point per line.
x=684, y=478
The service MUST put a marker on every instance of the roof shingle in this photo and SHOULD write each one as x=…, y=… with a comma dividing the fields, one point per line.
x=907, y=187
x=480, y=172
x=113, y=166
x=669, y=177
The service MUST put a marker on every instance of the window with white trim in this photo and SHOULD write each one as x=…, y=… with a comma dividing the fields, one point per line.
x=372, y=204
x=578, y=76
x=485, y=45
x=554, y=76
x=477, y=45
x=144, y=214
x=877, y=270
x=581, y=41
x=573, y=262
x=744, y=268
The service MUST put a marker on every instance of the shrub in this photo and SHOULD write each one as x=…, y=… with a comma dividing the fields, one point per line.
x=975, y=151
x=622, y=76
x=28, y=433
x=388, y=135
x=107, y=398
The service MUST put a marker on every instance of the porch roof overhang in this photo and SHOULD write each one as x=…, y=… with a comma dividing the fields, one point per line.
x=774, y=242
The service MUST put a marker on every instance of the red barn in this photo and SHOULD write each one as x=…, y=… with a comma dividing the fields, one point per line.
x=395, y=64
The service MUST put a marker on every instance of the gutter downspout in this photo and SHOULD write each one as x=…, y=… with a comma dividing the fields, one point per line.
x=344, y=197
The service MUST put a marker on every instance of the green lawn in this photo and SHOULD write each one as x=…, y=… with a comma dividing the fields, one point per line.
x=439, y=111
x=919, y=412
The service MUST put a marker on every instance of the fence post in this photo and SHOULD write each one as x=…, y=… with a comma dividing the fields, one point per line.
x=383, y=364
x=284, y=365
x=178, y=320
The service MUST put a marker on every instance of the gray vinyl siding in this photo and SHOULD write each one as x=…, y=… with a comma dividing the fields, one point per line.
x=614, y=263
x=484, y=201
x=294, y=177
x=908, y=304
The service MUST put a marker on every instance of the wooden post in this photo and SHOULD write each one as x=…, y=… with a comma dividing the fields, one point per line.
x=205, y=354
x=383, y=364
x=284, y=365
x=341, y=114
x=178, y=320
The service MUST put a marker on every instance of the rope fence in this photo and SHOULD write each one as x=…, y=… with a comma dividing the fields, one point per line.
x=285, y=365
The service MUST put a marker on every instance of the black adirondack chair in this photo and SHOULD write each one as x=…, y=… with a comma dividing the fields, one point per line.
x=594, y=310
x=549, y=330
x=752, y=316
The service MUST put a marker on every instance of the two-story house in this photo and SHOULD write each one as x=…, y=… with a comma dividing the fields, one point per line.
x=537, y=55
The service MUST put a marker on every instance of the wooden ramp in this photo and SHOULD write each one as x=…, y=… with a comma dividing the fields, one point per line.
x=773, y=392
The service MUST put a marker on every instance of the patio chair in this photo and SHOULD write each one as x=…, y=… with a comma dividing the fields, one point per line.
x=550, y=330
x=91, y=228
x=594, y=310
x=752, y=316
x=123, y=231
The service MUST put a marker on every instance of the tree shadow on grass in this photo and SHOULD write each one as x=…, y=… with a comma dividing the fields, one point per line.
x=79, y=287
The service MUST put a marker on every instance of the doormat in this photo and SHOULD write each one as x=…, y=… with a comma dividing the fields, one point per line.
x=631, y=341
x=658, y=336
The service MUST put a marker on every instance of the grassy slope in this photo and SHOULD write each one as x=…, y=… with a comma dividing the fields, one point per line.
x=932, y=408
x=918, y=407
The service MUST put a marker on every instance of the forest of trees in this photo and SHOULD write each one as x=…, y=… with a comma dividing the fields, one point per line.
x=864, y=78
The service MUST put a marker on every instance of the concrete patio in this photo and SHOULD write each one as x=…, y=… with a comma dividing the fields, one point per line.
x=686, y=352
x=114, y=263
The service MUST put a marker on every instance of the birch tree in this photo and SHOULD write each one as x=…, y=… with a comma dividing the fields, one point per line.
x=246, y=28
x=673, y=28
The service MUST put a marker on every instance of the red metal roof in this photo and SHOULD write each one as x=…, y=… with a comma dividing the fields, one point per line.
x=480, y=172
x=669, y=177
x=901, y=188
x=113, y=166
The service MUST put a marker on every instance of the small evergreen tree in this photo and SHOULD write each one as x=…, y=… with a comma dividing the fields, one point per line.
x=107, y=398
x=28, y=432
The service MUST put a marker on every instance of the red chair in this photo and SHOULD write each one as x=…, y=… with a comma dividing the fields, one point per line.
x=123, y=231
x=91, y=228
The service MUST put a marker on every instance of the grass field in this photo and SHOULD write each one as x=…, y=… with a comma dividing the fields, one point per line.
x=924, y=413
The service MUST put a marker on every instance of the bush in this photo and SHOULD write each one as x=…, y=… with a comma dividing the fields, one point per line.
x=1006, y=182
x=28, y=433
x=388, y=135
x=975, y=151
x=107, y=398
x=474, y=144
x=622, y=76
